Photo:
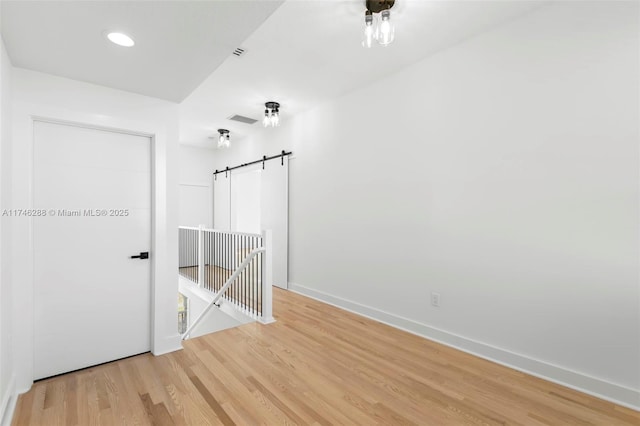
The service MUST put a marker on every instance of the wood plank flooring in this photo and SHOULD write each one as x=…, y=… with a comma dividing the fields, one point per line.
x=318, y=365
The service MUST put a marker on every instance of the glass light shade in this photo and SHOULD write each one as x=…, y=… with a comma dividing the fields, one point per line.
x=266, y=121
x=385, y=33
x=369, y=32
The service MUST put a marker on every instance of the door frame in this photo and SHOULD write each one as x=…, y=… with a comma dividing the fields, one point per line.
x=164, y=335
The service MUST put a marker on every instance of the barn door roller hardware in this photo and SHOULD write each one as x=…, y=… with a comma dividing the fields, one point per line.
x=262, y=160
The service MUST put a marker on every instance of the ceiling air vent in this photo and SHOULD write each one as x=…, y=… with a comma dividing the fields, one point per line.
x=239, y=51
x=242, y=119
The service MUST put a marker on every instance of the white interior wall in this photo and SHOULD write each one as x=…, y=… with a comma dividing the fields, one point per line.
x=42, y=95
x=7, y=379
x=501, y=173
x=196, y=186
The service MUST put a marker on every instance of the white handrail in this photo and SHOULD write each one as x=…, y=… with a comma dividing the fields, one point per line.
x=242, y=234
x=217, y=231
x=224, y=288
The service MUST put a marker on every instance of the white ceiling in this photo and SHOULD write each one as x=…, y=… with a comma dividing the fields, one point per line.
x=178, y=43
x=309, y=51
x=298, y=52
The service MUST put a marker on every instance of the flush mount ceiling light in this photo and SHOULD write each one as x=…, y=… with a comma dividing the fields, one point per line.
x=120, y=39
x=271, y=114
x=223, y=138
x=377, y=23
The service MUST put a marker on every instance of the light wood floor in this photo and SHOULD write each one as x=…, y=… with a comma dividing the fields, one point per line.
x=317, y=365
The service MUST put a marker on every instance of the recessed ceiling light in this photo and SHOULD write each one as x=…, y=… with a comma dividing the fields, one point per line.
x=121, y=39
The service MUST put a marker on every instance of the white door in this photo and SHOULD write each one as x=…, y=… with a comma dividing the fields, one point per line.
x=275, y=215
x=251, y=199
x=245, y=200
x=92, y=300
x=221, y=202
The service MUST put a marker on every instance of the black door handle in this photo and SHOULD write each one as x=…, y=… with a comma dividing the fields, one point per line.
x=142, y=255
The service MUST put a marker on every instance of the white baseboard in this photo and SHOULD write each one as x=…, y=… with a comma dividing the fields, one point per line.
x=8, y=403
x=612, y=392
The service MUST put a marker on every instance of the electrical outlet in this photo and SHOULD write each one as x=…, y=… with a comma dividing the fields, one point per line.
x=435, y=299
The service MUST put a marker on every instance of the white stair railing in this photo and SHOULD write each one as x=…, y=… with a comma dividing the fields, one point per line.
x=224, y=289
x=211, y=258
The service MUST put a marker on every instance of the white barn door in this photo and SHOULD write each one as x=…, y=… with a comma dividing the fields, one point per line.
x=251, y=199
x=92, y=300
x=222, y=202
x=246, y=200
x=275, y=215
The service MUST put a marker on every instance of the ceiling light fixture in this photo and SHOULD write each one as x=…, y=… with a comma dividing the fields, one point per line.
x=271, y=114
x=382, y=30
x=223, y=138
x=121, y=39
